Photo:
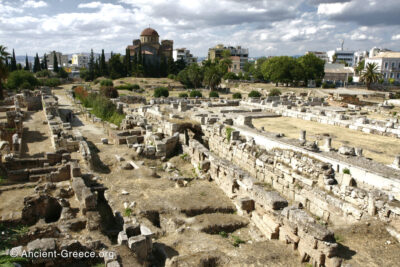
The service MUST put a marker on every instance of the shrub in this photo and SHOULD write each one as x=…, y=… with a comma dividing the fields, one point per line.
x=223, y=234
x=237, y=241
x=161, y=92
x=22, y=79
x=213, y=94
x=237, y=96
x=51, y=82
x=183, y=95
x=62, y=73
x=231, y=76
x=106, y=82
x=326, y=85
x=275, y=92
x=254, y=94
x=346, y=171
x=43, y=73
x=128, y=86
x=128, y=212
x=228, y=131
x=109, y=92
x=172, y=76
x=196, y=93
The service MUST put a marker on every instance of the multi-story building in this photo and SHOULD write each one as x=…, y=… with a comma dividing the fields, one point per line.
x=61, y=59
x=388, y=64
x=320, y=55
x=80, y=60
x=150, y=47
x=185, y=55
x=340, y=55
x=359, y=56
x=239, y=56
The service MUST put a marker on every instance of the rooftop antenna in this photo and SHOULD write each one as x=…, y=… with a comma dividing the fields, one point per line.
x=342, y=43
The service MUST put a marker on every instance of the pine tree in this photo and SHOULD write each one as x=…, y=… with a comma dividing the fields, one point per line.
x=13, y=66
x=27, y=63
x=55, y=64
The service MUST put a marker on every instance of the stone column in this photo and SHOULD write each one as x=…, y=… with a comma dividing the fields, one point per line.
x=328, y=144
x=302, y=135
x=396, y=162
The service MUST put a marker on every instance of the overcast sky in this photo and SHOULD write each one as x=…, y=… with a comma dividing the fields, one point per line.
x=266, y=27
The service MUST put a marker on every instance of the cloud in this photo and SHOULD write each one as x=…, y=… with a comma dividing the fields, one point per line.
x=396, y=37
x=90, y=5
x=34, y=4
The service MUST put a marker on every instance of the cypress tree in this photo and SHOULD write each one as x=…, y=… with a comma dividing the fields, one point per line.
x=97, y=71
x=26, y=63
x=55, y=62
x=13, y=66
x=44, y=62
x=91, y=66
x=134, y=65
x=128, y=63
x=36, y=64
x=19, y=66
x=103, y=64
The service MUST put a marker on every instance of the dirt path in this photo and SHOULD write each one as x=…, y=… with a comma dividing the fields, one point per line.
x=36, y=136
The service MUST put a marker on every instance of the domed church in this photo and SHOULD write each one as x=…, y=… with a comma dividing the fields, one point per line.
x=150, y=47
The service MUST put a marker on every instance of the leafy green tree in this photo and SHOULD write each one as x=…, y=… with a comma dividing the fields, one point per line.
x=313, y=67
x=22, y=79
x=13, y=65
x=3, y=68
x=212, y=77
x=161, y=92
x=282, y=69
x=91, y=75
x=117, y=68
x=55, y=62
x=62, y=73
x=195, y=75
x=360, y=67
x=370, y=75
x=232, y=76
x=27, y=63
x=183, y=77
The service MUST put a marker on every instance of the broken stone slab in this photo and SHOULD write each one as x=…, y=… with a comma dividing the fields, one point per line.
x=138, y=245
x=127, y=166
x=269, y=199
x=44, y=244
x=345, y=150
x=119, y=158
x=122, y=238
x=104, y=141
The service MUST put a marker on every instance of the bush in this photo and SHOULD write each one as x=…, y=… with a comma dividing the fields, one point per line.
x=350, y=79
x=106, y=82
x=22, y=79
x=254, y=94
x=326, y=85
x=230, y=76
x=109, y=92
x=275, y=92
x=172, y=76
x=237, y=96
x=43, y=73
x=196, y=93
x=183, y=95
x=128, y=86
x=213, y=94
x=62, y=73
x=346, y=171
x=161, y=92
x=51, y=82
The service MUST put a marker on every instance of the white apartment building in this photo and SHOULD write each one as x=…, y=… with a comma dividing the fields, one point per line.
x=80, y=60
x=388, y=64
x=185, y=55
x=359, y=56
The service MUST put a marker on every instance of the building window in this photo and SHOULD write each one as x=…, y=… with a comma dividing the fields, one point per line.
x=398, y=75
x=386, y=65
x=392, y=65
x=392, y=75
x=385, y=75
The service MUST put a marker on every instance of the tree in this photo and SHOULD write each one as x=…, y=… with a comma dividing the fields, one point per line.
x=163, y=66
x=90, y=74
x=117, y=68
x=195, y=75
x=27, y=63
x=212, y=77
x=55, y=62
x=370, y=74
x=44, y=62
x=313, y=67
x=183, y=78
x=3, y=68
x=13, y=66
x=360, y=67
x=62, y=73
x=21, y=79
x=128, y=63
x=103, y=65
x=36, y=64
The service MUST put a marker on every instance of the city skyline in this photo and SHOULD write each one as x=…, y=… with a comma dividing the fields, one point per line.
x=265, y=27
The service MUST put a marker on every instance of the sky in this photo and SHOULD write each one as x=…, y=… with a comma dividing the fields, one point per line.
x=266, y=27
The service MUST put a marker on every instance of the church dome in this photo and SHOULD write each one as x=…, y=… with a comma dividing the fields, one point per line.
x=149, y=32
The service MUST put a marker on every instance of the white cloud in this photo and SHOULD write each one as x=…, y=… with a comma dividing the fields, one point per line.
x=34, y=4
x=396, y=37
x=331, y=8
x=90, y=5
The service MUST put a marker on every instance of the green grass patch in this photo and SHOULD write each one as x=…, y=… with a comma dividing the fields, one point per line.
x=127, y=212
x=228, y=131
x=237, y=241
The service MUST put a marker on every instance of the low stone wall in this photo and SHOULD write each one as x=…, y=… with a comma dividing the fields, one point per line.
x=332, y=196
x=267, y=209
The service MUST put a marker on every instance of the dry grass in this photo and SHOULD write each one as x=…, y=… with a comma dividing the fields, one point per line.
x=380, y=148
